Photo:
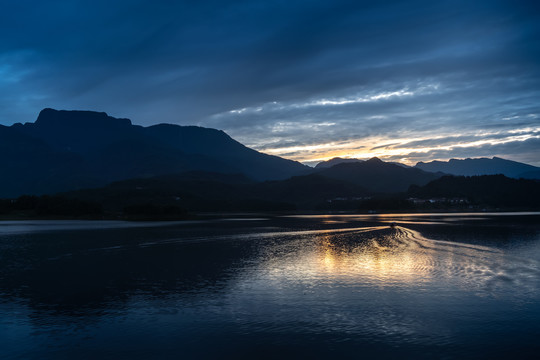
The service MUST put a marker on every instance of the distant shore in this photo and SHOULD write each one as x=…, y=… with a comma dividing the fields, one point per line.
x=236, y=214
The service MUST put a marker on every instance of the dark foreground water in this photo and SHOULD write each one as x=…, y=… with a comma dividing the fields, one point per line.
x=432, y=286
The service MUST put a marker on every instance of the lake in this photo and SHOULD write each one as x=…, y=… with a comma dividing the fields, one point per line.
x=313, y=286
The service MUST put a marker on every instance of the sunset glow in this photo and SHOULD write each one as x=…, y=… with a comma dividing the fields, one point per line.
x=399, y=149
x=366, y=81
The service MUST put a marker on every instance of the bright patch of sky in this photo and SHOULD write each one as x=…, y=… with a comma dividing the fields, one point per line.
x=408, y=80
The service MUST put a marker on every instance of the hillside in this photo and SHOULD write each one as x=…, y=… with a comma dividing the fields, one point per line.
x=67, y=150
x=207, y=191
x=376, y=175
x=482, y=166
x=334, y=161
x=489, y=190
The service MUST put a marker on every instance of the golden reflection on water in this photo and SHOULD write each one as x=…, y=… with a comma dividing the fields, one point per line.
x=385, y=256
x=371, y=259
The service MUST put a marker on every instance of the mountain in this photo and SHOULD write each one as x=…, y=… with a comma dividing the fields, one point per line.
x=482, y=166
x=376, y=175
x=66, y=150
x=490, y=190
x=337, y=160
x=207, y=191
x=334, y=161
x=534, y=174
x=310, y=191
x=344, y=185
x=399, y=164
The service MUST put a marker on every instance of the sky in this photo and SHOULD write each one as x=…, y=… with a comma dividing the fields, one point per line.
x=306, y=80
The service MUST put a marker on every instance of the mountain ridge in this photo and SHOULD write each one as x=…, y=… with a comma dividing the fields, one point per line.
x=67, y=150
x=334, y=161
x=378, y=176
x=482, y=166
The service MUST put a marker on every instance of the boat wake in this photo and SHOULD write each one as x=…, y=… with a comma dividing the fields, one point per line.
x=472, y=265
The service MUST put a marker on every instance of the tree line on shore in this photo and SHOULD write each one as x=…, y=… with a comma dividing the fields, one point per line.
x=176, y=198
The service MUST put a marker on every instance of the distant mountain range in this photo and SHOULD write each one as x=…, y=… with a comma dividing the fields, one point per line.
x=337, y=160
x=66, y=150
x=377, y=176
x=214, y=191
x=466, y=167
x=488, y=190
x=207, y=191
x=195, y=167
x=334, y=161
x=482, y=166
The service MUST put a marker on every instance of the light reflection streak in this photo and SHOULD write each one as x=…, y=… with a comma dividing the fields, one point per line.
x=374, y=261
x=395, y=257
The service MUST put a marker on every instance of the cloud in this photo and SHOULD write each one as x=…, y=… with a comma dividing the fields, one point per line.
x=345, y=76
x=524, y=151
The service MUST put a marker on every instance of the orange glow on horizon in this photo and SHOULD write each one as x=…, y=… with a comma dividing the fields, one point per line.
x=396, y=149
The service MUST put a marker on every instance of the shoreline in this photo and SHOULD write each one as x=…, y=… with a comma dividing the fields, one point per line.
x=248, y=215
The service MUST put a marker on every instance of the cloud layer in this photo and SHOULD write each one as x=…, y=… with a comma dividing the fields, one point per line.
x=307, y=80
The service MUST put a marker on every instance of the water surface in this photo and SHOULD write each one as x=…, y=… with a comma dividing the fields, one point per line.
x=408, y=285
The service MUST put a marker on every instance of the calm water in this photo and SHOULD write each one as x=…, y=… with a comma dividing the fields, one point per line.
x=432, y=286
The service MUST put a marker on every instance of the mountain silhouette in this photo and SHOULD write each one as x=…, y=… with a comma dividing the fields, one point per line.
x=482, y=166
x=334, y=161
x=208, y=191
x=489, y=190
x=376, y=175
x=66, y=150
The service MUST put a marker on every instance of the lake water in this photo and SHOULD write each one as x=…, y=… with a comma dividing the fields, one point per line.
x=428, y=286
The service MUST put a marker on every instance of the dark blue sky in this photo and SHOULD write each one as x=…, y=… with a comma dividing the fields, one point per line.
x=403, y=80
